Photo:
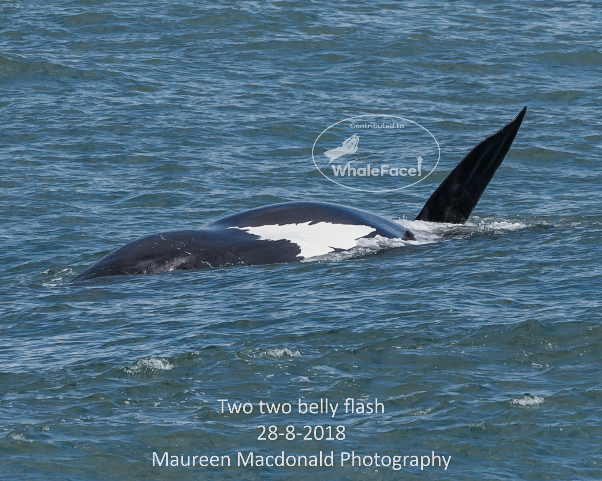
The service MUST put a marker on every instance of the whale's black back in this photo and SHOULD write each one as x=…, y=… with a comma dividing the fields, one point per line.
x=226, y=242
x=312, y=212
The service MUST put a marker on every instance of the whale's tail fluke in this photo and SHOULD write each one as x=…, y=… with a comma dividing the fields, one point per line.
x=458, y=194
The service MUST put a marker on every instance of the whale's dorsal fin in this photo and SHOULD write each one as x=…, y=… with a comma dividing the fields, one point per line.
x=458, y=194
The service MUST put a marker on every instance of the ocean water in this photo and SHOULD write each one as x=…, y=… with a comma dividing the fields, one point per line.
x=482, y=342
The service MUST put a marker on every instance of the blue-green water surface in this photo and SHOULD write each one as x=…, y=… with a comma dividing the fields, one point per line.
x=122, y=119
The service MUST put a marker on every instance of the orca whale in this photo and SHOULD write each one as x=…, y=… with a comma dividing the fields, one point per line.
x=294, y=231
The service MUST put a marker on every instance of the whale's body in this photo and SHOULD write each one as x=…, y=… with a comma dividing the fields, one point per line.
x=295, y=231
x=278, y=233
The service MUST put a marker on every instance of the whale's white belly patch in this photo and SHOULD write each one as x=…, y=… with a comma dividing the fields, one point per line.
x=313, y=239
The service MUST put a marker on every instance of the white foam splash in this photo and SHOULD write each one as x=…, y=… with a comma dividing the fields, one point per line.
x=282, y=353
x=364, y=247
x=528, y=400
x=149, y=364
x=426, y=232
x=504, y=226
x=432, y=232
x=56, y=281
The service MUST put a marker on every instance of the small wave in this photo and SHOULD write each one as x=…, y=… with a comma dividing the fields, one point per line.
x=422, y=412
x=58, y=277
x=528, y=400
x=503, y=225
x=22, y=68
x=149, y=364
x=280, y=353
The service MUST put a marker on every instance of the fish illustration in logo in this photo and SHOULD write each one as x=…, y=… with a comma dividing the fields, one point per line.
x=348, y=147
